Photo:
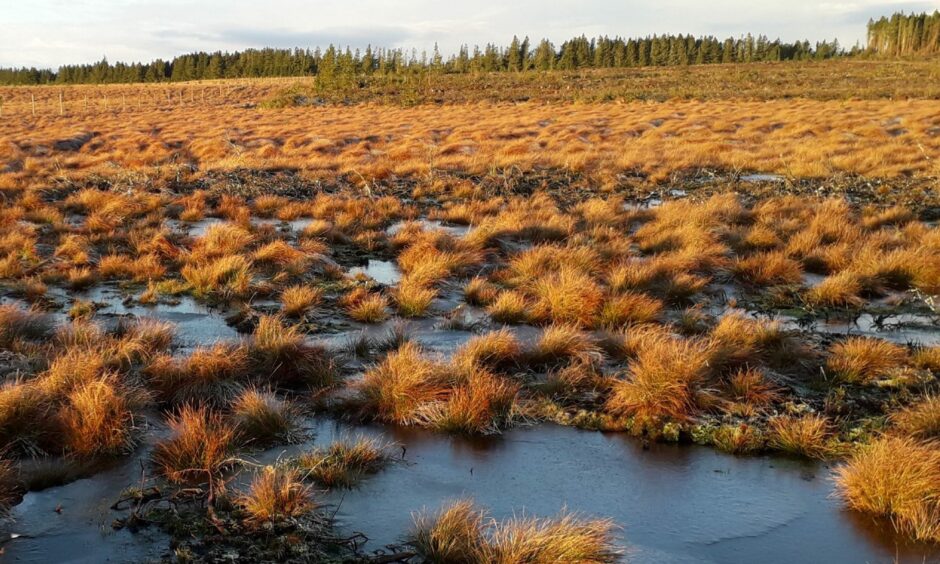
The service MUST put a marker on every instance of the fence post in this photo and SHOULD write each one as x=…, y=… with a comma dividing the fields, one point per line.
x=61, y=105
x=32, y=102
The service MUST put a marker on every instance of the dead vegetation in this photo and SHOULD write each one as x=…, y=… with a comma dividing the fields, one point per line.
x=698, y=318
x=463, y=533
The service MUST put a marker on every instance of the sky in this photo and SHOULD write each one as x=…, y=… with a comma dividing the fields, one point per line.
x=47, y=33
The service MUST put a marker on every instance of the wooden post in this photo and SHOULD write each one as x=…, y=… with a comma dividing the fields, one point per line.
x=85, y=104
x=1, y=107
x=61, y=105
x=32, y=102
x=123, y=102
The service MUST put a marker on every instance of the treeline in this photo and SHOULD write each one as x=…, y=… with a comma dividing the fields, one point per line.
x=520, y=56
x=915, y=34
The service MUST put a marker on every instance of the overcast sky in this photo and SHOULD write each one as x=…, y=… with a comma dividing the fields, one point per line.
x=46, y=33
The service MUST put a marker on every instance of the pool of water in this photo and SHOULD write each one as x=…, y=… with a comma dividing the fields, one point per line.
x=382, y=271
x=672, y=503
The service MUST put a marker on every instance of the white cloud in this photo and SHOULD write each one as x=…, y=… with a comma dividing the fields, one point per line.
x=51, y=32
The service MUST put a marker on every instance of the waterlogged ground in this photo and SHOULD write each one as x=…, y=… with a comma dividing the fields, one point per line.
x=675, y=503
x=672, y=503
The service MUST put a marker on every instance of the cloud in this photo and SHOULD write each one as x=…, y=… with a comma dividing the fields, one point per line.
x=352, y=36
x=53, y=32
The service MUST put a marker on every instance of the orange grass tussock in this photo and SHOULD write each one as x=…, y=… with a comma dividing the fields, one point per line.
x=801, y=138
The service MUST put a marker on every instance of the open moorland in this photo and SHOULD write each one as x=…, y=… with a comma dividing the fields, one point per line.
x=646, y=315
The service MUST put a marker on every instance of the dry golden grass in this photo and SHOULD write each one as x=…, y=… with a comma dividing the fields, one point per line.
x=509, y=306
x=275, y=494
x=413, y=298
x=862, y=360
x=479, y=292
x=920, y=420
x=567, y=296
x=742, y=340
x=837, y=290
x=281, y=355
x=375, y=141
x=563, y=343
x=372, y=308
x=209, y=374
x=748, y=391
x=228, y=276
x=739, y=439
x=629, y=308
x=261, y=418
x=297, y=300
x=482, y=404
x=344, y=462
x=809, y=435
x=898, y=478
x=462, y=534
x=494, y=350
x=663, y=381
x=198, y=447
x=766, y=269
x=98, y=420
x=395, y=390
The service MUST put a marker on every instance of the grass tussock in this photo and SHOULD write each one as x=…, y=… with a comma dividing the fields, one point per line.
x=397, y=388
x=198, y=448
x=897, y=478
x=629, y=308
x=460, y=533
x=563, y=343
x=479, y=292
x=809, y=436
x=413, y=299
x=371, y=308
x=863, y=360
x=482, y=404
x=510, y=306
x=345, y=462
x=748, y=392
x=261, y=418
x=297, y=300
x=493, y=350
x=98, y=421
x=920, y=420
x=276, y=494
x=662, y=382
x=281, y=354
x=209, y=374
